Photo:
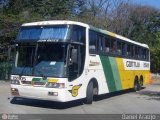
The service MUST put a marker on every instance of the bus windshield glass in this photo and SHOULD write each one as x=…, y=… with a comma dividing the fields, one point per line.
x=24, y=60
x=50, y=60
x=47, y=59
x=56, y=32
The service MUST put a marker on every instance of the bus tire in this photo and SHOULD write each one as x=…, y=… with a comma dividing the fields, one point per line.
x=136, y=85
x=141, y=81
x=95, y=93
x=89, y=93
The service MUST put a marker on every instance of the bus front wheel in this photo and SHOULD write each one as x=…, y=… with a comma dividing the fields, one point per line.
x=89, y=93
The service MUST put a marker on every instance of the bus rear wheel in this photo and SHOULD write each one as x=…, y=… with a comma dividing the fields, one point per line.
x=89, y=93
x=137, y=86
x=141, y=81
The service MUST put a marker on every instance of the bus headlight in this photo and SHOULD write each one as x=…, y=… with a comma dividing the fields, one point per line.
x=55, y=85
x=15, y=82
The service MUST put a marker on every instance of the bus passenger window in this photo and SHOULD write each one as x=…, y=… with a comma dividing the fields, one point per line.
x=113, y=46
x=147, y=54
x=107, y=45
x=144, y=53
x=132, y=51
x=123, y=49
x=92, y=41
x=119, y=48
x=100, y=44
x=137, y=52
x=128, y=50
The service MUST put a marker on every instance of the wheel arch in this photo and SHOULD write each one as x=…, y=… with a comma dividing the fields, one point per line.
x=136, y=79
x=95, y=83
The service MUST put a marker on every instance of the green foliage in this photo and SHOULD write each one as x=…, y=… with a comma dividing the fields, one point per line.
x=139, y=23
x=155, y=59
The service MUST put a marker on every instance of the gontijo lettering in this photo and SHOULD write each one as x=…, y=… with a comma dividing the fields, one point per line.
x=132, y=64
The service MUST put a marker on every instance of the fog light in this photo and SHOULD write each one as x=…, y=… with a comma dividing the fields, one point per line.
x=53, y=93
x=14, y=91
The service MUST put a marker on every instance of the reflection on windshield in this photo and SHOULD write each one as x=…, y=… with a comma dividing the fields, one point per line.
x=50, y=60
x=26, y=56
x=43, y=33
x=25, y=60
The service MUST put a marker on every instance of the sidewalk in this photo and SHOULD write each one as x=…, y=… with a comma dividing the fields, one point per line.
x=4, y=82
x=156, y=78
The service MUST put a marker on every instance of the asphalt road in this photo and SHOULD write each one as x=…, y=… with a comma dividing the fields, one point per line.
x=145, y=101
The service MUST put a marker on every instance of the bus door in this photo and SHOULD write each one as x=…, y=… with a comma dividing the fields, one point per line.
x=75, y=69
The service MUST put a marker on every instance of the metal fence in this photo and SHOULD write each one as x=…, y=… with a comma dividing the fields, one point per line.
x=5, y=70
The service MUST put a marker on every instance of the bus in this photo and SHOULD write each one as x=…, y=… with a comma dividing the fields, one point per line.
x=64, y=60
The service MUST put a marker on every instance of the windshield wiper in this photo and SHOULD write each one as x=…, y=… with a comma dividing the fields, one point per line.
x=41, y=73
x=23, y=70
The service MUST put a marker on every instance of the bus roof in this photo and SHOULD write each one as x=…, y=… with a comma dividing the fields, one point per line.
x=118, y=36
x=55, y=22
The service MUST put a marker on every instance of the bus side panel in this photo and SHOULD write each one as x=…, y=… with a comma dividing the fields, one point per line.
x=124, y=75
x=95, y=70
x=114, y=68
x=117, y=77
x=146, y=76
x=128, y=76
x=111, y=72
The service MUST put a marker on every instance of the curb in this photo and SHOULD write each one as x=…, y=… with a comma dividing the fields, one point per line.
x=4, y=81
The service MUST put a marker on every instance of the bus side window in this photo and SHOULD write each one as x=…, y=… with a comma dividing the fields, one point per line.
x=76, y=61
x=78, y=34
x=100, y=42
x=123, y=49
x=132, y=50
x=128, y=50
x=119, y=48
x=113, y=46
x=73, y=63
x=107, y=45
x=139, y=53
x=136, y=52
x=144, y=54
x=147, y=54
x=92, y=41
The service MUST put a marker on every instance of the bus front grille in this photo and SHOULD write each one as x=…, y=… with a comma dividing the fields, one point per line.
x=33, y=83
x=38, y=83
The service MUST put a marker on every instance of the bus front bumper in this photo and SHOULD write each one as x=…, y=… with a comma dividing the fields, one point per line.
x=42, y=93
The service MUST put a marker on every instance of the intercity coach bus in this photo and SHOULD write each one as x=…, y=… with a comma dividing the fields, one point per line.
x=67, y=60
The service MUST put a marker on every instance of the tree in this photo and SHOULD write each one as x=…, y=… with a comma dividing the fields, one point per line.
x=139, y=23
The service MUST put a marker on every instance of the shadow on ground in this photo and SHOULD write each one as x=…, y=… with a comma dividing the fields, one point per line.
x=59, y=105
x=153, y=95
x=45, y=103
x=113, y=94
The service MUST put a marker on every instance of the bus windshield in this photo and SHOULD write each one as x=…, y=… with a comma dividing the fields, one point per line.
x=56, y=32
x=50, y=60
x=47, y=59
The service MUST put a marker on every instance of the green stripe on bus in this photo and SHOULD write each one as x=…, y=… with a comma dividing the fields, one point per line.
x=39, y=80
x=36, y=79
x=108, y=73
x=115, y=72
